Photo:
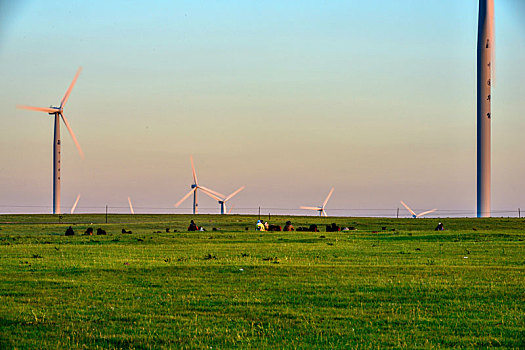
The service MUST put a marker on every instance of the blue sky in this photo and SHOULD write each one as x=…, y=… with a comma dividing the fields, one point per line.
x=376, y=98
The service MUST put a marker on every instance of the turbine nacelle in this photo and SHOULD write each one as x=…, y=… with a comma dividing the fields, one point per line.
x=58, y=110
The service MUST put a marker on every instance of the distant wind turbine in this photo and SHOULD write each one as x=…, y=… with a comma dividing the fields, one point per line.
x=414, y=215
x=58, y=113
x=131, y=206
x=321, y=208
x=75, y=205
x=194, y=187
x=222, y=201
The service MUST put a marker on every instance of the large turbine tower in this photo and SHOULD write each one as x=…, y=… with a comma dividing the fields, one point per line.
x=485, y=70
x=58, y=113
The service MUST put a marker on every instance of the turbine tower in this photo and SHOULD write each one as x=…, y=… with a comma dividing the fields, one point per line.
x=320, y=209
x=58, y=113
x=194, y=187
x=485, y=71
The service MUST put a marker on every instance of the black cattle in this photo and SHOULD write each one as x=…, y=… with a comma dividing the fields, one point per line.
x=100, y=231
x=193, y=226
x=89, y=231
x=332, y=228
x=274, y=228
x=70, y=232
x=288, y=226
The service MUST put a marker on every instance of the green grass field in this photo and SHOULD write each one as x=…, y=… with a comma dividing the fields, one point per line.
x=235, y=288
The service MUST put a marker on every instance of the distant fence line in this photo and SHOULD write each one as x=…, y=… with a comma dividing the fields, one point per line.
x=361, y=212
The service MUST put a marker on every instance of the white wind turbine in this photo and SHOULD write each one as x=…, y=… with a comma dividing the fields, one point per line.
x=58, y=113
x=194, y=187
x=321, y=208
x=414, y=215
x=222, y=202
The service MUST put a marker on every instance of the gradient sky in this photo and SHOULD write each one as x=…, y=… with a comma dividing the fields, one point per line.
x=376, y=98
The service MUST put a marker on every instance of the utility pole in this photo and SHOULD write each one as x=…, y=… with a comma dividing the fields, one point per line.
x=259, y=213
x=397, y=216
x=106, y=213
x=519, y=213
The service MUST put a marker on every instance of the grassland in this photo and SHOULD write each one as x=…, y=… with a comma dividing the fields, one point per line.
x=406, y=286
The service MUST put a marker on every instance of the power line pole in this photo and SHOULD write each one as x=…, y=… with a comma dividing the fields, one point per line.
x=106, y=213
x=397, y=213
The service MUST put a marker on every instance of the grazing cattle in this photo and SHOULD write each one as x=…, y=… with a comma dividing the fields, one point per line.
x=70, y=232
x=101, y=231
x=288, y=227
x=123, y=231
x=332, y=228
x=193, y=226
x=89, y=231
x=274, y=228
x=313, y=228
x=167, y=229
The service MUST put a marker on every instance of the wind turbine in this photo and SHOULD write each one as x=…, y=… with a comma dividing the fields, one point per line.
x=58, y=113
x=414, y=215
x=194, y=187
x=321, y=208
x=75, y=205
x=222, y=202
x=485, y=72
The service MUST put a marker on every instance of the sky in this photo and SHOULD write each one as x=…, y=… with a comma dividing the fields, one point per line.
x=375, y=98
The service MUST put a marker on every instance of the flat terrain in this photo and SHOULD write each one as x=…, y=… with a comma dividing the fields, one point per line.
x=402, y=286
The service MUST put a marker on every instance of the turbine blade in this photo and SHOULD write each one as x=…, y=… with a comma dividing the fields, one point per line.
x=328, y=197
x=324, y=213
x=185, y=197
x=410, y=210
x=212, y=191
x=230, y=211
x=39, y=109
x=210, y=194
x=68, y=92
x=131, y=206
x=311, y=208
x=234, y=193
x=425, y=212
x=194, y=173
x=72, y=135
x=75, y=205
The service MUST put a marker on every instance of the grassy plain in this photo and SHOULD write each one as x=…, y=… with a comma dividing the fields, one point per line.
x=235, y=288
